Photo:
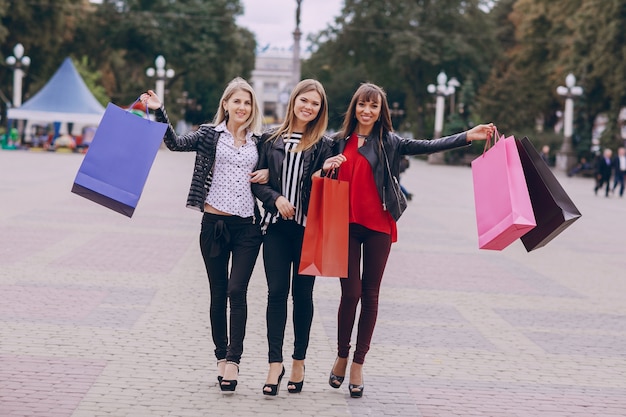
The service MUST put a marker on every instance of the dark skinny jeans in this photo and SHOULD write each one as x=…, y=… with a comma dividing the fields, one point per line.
x=220, y=238
x=282, y=245
x=361, y=287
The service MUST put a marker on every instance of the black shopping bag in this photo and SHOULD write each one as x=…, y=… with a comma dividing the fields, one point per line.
x=554, y=210
x=116, y=166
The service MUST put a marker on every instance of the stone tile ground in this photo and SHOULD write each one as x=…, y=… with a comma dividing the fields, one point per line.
x=101, y=315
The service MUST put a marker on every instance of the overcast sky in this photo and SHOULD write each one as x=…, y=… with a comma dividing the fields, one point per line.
x=273, y=21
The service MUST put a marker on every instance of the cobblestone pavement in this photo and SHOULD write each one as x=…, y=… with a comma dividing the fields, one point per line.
x=101, y=315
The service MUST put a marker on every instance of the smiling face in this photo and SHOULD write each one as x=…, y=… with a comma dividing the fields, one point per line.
x=367, y=113
x=239, y=107
x=306, y=107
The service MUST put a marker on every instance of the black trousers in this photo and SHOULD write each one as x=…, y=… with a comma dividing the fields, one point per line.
x=221, y=238
x=619, y=180
x=282, y=245
x=604, y=180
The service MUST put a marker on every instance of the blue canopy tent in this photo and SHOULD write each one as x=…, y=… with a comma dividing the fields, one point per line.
x=65, y=98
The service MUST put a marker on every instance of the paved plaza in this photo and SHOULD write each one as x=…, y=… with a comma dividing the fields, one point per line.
x=102, y=315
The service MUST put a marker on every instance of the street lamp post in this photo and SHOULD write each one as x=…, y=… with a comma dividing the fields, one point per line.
x=161, y=75
x=16, y=62
x=441, y=91
x=566, y=156
x=297, y=34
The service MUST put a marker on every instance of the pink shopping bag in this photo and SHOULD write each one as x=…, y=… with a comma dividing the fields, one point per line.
x=504, y=211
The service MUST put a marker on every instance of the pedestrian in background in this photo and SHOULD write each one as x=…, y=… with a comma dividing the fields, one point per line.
x=619, y=168
x=293, y=153
x=369, y=155
x=404, y=165
x=226, y=155
x=604, y=168
x=545, y=155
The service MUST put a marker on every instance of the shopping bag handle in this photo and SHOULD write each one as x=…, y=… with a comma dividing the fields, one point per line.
x=133, y=105
x=332, y=173
x=496, y=137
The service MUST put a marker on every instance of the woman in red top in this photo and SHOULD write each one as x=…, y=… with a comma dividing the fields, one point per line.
x=369, y=154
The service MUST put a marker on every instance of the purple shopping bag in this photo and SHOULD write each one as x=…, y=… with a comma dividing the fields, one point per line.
x=504, y=211
x=116, y=166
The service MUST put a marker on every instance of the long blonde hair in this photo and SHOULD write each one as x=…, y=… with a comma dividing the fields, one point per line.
x=314, y=130
x=254, y=122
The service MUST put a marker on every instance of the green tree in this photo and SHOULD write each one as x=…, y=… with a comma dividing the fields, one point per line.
x=93, y=80
x=199, y=39
x=552, y=39
x=598, y=58
x=47, y=30
x=521, y=88
x=402, y=46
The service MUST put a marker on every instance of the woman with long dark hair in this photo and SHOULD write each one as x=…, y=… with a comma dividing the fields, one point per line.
x=369, y=155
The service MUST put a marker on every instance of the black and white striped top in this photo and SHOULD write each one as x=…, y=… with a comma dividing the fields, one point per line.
x=291, y=182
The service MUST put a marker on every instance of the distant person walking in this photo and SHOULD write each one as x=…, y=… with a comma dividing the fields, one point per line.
x=404, y=165
x=619, y=169
x=230, y=236
x=369, y=154
x=545, y=155
x=603, y=169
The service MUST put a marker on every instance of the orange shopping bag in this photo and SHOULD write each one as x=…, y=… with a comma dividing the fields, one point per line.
x=325, y=245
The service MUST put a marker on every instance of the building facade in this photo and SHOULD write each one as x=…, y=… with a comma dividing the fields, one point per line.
x=272, y=82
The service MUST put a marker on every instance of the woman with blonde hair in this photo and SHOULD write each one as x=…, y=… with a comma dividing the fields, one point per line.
x=226, y=156
x=293, y=153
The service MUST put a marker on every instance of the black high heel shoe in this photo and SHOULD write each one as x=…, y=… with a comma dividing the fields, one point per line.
x=297, y=386
x=229, y=385
x=274, y=387
x=335, y=381
x=356, y=391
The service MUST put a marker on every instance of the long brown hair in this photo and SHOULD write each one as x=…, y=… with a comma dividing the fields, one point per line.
x=314, y=130
x=368, y=92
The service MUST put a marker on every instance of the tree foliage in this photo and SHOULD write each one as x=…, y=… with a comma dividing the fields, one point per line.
x=402, y=46
x=121, y=39
x=509, y=57
x=552, y=39
x=598, y=57
x=46, y=29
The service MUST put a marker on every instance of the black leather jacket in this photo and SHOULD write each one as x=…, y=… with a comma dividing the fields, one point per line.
x=395, y=147
x=272, y=155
